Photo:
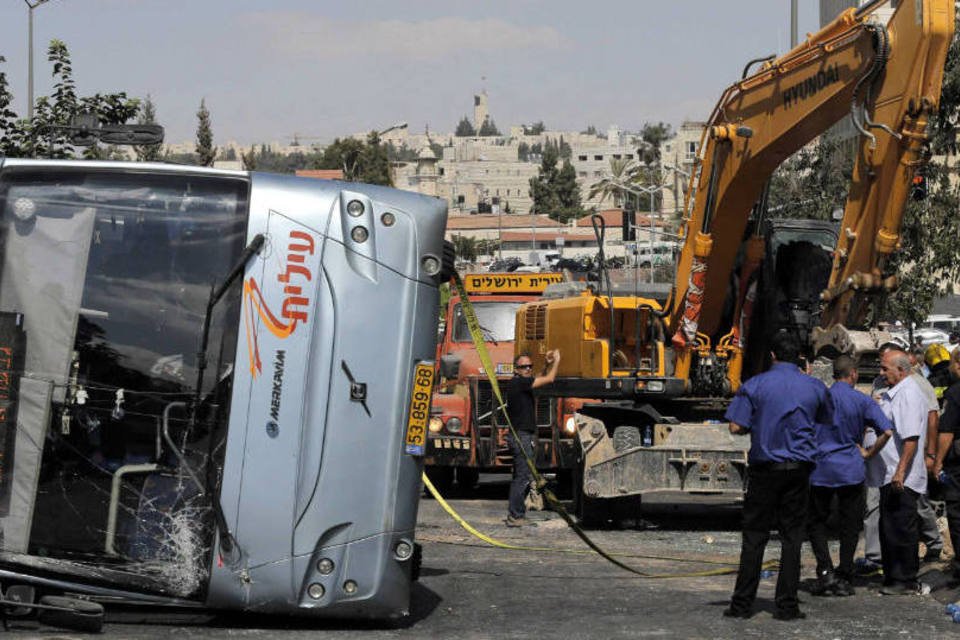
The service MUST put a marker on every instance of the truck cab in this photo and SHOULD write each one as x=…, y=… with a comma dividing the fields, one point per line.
x=466, y=433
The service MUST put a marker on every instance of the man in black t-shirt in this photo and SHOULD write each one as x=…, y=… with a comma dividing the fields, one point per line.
x=521, y=409
x=948, y=456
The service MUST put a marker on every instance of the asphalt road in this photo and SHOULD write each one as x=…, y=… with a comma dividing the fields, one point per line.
x=470, y=590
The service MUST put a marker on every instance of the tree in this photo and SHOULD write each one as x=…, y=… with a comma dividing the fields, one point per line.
x=206, y=152
x=465, y=129
x=8, y=146
x=622, y=172
x=249, y=159
x=359, y=161
x=554, y=190
x=653, y=135
x=534, y=129
x=466, y=248
x=148, y=115
x=590, y=131
x=44, y=135
x=489, y=127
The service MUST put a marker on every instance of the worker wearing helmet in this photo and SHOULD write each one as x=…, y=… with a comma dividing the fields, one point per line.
x=938, y=361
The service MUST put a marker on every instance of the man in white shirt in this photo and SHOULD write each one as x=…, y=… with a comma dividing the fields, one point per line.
x=904, y=475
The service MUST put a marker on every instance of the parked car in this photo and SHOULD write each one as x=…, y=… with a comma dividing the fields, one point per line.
x=931, y=335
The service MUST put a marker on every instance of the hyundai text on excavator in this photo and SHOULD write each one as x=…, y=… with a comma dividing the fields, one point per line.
x=214, y=386
x=666, y=370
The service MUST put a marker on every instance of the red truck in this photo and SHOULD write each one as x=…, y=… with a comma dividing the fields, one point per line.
x=466, y=436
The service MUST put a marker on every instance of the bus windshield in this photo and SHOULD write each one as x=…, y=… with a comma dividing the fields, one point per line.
x=104, y=282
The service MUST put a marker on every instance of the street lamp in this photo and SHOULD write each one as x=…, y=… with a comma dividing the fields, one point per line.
x=32, y=4
x=399, y=125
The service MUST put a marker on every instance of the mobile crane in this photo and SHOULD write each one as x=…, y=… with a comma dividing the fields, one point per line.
x=665, y=370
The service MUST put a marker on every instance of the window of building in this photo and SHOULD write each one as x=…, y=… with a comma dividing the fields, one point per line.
x=691, y=149
x=598, y=157
x=616, y=156
x=582, y=174
x=582, y=158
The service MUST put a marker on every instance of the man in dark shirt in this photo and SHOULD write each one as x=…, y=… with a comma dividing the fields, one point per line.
x=780, y=409
x=521, y=409
x=840, y=472
x=948, y=456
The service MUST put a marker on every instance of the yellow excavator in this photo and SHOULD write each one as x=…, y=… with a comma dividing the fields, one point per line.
x=662, y=371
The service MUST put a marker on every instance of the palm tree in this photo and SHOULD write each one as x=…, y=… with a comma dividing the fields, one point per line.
x=465, y=248
x=622, y=171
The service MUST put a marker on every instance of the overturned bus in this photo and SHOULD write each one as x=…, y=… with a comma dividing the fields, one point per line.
x=212, y=386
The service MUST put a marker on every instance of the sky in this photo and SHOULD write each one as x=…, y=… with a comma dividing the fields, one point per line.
x=322, y=68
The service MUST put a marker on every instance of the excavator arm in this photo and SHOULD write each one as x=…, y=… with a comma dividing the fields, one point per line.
x=888, y=78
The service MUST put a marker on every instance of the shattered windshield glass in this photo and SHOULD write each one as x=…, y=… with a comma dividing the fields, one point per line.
x=103, y=290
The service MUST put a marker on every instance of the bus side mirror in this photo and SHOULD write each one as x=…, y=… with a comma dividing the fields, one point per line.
x=449, y=366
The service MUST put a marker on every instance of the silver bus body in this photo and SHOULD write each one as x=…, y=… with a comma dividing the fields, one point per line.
x=281, y=484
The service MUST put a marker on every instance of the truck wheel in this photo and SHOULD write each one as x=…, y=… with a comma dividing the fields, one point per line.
x=593, y=513
x=467, y=479
x=566, y=484
x=626, y=437
x=442, y=478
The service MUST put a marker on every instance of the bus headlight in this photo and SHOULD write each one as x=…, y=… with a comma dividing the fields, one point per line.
x=436, y=424
x=655, y=385
x=570, y=426
x=455, y=425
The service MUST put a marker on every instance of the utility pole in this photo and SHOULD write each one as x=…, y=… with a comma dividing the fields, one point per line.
x=31, y=4
x=793, y=23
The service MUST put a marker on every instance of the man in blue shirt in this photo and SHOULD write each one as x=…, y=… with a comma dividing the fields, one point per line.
x=841, y=472
x=780, y=410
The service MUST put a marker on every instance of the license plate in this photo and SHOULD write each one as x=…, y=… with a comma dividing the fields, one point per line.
x=419, y=409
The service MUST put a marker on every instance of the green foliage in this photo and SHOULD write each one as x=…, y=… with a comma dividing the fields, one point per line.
x=930, y=259
x=43, y=136
x=360, y=161
x=206, y=152
x=466, y=248
x=813, y=182
x=249, y=159
x=148, y=115
x=622, y=172
x=534, y=129
x=590, y=131
x=229, y=154
x=181, y=158
x=465, y=129
x=654, y=135
x=554, y=190
x=8, y=117
x=489, y=127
